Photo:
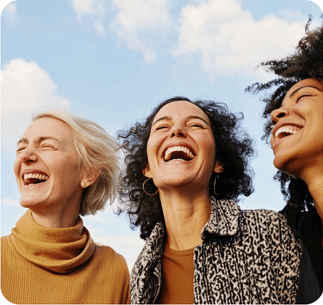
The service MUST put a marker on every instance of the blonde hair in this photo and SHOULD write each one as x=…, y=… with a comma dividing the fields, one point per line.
x=96, y=150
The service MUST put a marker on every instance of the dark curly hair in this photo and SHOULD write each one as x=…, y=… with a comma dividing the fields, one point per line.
x=233, y=147
x=306, y=62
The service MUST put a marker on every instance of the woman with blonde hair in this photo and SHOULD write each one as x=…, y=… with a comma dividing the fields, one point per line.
x=65, y=166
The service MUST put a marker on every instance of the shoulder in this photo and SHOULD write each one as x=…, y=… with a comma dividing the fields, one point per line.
x=107, y=256
x=271, y=223
x=6, y=244
x=5, y=239
x=264, y=216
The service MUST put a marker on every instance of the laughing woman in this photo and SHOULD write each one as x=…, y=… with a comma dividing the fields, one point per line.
x=65, y=166
x=295, y=126
x=184, y=167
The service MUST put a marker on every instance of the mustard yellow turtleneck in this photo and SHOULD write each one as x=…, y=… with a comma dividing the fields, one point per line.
x=42, y=265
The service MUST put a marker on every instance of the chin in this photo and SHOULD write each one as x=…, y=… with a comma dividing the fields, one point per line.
x=288, y=169
x=284, y=162
x=27, y=202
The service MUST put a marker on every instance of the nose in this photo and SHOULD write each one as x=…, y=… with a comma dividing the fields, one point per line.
x=277, y=114
x=28, y=155
x=178, y=131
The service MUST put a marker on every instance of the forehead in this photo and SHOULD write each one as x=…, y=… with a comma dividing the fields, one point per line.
x=181, y=109
x=46, y=126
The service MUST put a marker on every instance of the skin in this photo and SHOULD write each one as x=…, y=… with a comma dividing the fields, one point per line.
x=301, y=153
x=183, y=185
x=47, y=147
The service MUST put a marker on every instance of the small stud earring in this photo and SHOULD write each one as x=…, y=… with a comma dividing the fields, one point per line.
x=83, y=184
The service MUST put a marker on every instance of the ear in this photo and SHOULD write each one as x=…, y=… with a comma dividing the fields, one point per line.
x=90, y=177
x=218, y=168
x=146, y=171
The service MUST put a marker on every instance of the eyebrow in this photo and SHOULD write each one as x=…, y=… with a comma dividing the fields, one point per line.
x=168, y=118
x=40, y=139
x=305, y=86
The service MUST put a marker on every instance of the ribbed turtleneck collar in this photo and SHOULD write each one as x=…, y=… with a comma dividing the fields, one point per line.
x=59, y=250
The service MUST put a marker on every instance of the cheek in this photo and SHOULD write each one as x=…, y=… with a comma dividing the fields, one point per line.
x=272, y=140
x=64, y=169
x=152, y=149
x=16, y=166
x=208, y=146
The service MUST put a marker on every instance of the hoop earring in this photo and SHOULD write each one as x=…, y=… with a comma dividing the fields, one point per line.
x=214, y=184
x=143, y=187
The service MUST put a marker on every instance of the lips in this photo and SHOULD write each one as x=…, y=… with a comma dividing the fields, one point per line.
x=178, y=152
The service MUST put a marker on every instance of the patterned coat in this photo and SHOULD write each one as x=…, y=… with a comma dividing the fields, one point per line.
x=246, y=256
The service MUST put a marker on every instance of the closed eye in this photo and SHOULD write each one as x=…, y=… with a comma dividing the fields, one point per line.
x=20, y=149
x=161, y=127
x=48, y=146
x=302, y=96
x=198, y=125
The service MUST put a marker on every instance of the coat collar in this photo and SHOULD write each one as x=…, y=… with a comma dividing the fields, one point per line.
x=224, y=219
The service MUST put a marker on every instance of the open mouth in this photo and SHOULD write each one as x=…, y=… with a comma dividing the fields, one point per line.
x=285, y=131
x=178, y=153
x=34, y=178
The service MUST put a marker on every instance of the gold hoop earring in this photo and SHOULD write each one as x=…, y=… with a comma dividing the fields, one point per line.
x=143, y=187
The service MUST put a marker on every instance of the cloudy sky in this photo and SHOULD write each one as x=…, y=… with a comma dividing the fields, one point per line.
x=113, y=61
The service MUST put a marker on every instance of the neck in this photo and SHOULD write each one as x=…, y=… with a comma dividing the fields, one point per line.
x=56, y=217
x=185, y=216
x=314, y=181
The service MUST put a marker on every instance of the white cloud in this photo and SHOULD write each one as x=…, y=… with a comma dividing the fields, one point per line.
x=95, y=9
x=224, y=37
x=142, y=24
x=229, y=41
x=25, y=88
x=10, y=202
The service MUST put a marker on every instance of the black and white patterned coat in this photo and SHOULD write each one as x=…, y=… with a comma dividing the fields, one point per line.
x=247, y=256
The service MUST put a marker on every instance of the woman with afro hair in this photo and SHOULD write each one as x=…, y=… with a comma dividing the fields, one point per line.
x=294, y=113
x=185, y=167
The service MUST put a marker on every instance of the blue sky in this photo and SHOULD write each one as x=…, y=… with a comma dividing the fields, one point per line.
x=113, y=61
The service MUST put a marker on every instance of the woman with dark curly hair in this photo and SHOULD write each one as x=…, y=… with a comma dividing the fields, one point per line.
x=295, y=124
x=184, y=167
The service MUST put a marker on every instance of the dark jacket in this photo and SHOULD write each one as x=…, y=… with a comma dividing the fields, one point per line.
x=310, y=280
x=249, y=256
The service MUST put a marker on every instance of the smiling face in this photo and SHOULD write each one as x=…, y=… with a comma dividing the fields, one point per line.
x=181, y=147
x=47, y=166
x=297, y=137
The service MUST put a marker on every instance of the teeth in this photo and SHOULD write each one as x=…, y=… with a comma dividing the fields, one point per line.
x=170, y=150
x=35, y=176
x=286, y=129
